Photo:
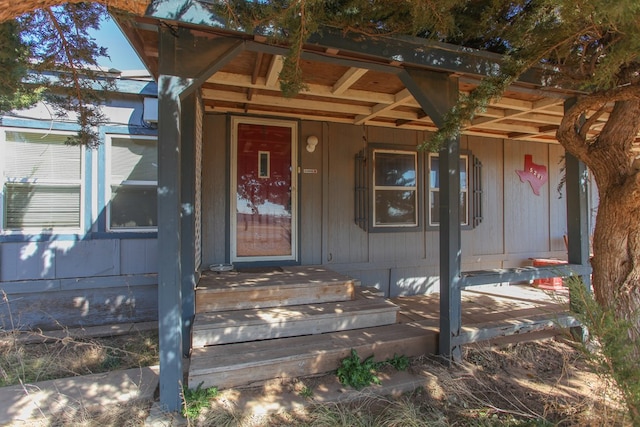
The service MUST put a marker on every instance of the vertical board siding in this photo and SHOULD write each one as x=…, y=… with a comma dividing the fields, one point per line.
x=80, y=307
x=526, y=215
x=27, y=261
x=399, y=246
x=310, y=181
x=516, y=224
x=197, y=238
x=413, y=281
x=87, y=258
x=347, y=243
x=215, y=189
x=488, y=236
x=139, y=256
x=557, y=200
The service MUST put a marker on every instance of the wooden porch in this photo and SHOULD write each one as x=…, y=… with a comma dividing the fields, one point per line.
x=295, y=321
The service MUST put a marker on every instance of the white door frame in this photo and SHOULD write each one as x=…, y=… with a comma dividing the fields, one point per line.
x=233, y=191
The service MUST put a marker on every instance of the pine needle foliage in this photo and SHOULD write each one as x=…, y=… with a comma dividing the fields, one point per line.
x=60, y=45
x=49, y=55
x=614, y=352
x=588, y=45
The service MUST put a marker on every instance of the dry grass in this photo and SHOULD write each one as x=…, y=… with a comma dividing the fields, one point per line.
x=67, y=357
x=531, y=384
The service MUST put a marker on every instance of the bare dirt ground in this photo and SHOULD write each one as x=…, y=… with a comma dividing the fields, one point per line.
x=542, y=383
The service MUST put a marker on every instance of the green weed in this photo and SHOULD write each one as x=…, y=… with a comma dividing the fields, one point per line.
x=355, y=373
x=195, y=400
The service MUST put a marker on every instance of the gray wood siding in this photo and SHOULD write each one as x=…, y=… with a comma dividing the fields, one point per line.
x=347, y=243
x=517, y=225
x=215, y=190
x=488, y=237
x=557, y=200
x=78, y=283
x=401, y=246
x=311, y=189
x=526, y=215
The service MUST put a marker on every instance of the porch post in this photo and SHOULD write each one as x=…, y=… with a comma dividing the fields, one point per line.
x=577, y=211
x=437, y=93
x=185, y=62
x=187, y=192
x=170, y=320
x=450, y=250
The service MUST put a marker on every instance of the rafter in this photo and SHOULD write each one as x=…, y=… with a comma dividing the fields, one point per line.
x=348, y=79
x=254, y=74
x=378, y=109
x=273, y=74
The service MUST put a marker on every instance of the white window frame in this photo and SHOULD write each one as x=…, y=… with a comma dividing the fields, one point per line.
x=414, y=188
x=109, y=182
x=81, y=181
x=465, y=190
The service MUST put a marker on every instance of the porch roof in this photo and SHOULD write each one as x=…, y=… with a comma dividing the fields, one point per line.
x=351, y=79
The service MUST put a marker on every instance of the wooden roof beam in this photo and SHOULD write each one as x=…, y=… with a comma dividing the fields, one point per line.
x=241, y=80
x=400, y=98
x=254, y=74
x=273, y=73
x=525, y=115
x=508, y=128
x=322, y=107
x=542, y=130
x=347, y=80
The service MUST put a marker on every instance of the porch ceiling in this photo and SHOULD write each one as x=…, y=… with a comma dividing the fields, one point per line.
x=345, y=86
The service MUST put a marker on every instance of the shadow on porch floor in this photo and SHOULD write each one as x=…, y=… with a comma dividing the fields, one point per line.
x=509, y=313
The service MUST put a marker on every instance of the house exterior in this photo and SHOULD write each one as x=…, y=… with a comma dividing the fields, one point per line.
x=331, y=177
x=78, y=226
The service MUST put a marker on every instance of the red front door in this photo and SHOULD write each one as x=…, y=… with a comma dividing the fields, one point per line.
x=263, y=225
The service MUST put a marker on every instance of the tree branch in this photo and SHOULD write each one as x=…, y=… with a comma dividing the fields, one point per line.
x=69, y=56
x=11, y=9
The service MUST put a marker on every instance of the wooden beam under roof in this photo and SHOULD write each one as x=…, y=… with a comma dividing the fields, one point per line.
x=254, y=74
x=273, y=74
x=241, y=80
x=348, y=79
x=279, y=101
x=378, y=109
x=542, y=130
x=526, y=115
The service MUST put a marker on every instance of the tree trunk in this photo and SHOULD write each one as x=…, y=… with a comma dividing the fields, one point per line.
x=616, y=261
x=11, y=9
x=610, y=156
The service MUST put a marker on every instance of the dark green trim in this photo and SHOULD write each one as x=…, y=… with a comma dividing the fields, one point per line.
x=408, y=50
x=188, y=202
x=520, y=274
x=577, y=186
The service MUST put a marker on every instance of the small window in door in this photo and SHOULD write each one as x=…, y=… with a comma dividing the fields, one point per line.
x=263, y=164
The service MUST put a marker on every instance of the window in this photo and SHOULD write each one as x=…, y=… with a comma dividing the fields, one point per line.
x=470, y=191
x=42, y=182
x=387, y=189
x=132, y=168
x=395, y=188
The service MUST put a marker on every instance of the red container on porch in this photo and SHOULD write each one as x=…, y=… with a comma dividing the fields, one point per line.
x=550, y=283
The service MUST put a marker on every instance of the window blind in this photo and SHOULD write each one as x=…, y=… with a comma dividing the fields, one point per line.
x=42, y=182
x=133, y=160
x=42, y=206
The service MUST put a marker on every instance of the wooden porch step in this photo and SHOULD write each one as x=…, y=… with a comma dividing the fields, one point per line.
x=290, y=286
x=245, y=363
x=215, y=328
